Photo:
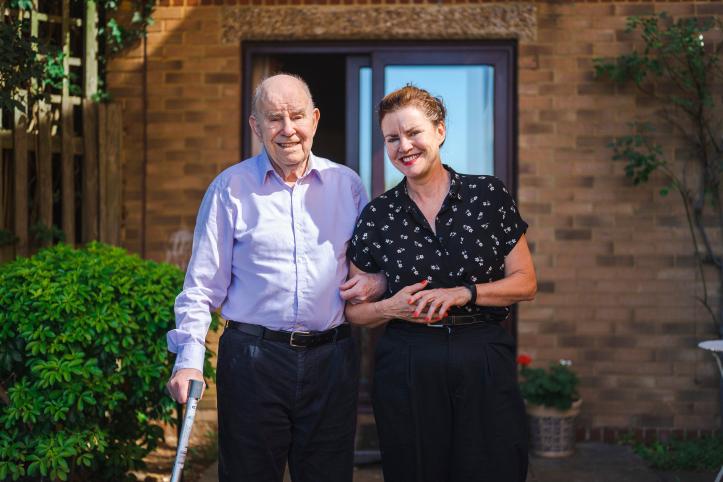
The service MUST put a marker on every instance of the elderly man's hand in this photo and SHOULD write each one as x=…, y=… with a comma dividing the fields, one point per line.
x=178, y=384
x=364, y=287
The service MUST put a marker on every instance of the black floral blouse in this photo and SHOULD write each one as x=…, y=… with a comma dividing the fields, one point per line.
x=477, y=226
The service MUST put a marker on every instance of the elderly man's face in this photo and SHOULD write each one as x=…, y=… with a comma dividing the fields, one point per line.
x=285, y=121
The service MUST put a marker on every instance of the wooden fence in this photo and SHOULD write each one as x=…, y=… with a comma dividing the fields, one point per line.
x=62, y=179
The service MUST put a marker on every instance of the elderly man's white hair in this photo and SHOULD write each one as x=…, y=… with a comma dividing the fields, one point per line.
x=259, y=91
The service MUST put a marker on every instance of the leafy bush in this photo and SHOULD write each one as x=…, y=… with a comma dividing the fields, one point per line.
x=701, y=454
x=555, y=387
x=83, y=362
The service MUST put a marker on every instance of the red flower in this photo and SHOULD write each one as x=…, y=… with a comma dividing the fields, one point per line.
x=524, y=359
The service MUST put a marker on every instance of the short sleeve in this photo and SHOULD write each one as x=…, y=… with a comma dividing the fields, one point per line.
x=511, y=226
x=363, y=247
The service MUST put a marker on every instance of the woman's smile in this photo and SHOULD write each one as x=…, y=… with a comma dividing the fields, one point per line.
x=410, y=159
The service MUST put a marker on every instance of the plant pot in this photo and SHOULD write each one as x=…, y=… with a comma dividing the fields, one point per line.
x=552, y=431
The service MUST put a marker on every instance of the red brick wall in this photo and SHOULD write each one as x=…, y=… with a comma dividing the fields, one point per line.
x=617, y=283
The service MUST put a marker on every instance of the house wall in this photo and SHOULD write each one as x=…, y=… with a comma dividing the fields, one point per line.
x=616, y=276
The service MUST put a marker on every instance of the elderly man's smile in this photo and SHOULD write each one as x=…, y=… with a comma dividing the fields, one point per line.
x=287, y=145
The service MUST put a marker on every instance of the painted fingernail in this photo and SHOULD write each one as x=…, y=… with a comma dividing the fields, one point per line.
x=424, y=281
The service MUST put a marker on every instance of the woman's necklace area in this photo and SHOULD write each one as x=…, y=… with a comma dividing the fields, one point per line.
x=434, y=200
x=430, y=207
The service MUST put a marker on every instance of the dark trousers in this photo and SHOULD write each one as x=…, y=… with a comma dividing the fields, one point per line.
x=447, y=405
x=279, y=403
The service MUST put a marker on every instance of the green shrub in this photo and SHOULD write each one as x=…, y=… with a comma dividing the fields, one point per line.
x=699, y=454
x=83, y=362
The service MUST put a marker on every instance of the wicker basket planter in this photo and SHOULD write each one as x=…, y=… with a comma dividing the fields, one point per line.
x=553, y=431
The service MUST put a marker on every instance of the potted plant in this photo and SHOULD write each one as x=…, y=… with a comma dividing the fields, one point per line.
x=552, y=404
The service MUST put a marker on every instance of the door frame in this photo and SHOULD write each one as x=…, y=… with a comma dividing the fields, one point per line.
x=501, y=54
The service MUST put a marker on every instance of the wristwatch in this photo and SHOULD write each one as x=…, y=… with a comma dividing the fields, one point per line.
x=473, y=292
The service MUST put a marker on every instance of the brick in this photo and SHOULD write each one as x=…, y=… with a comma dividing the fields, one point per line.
x=654, y=421
x=634, y=9
x=570, y=234
x=586, y=326
x=557, y=327
x=713, y=8
x=555, y=115
x=164, y=65
x=527, y=62
x=572, y=181
x=614, y=260
x=692, y=396
x=557, y=89
x=593, y=220
x=675, y=9
x=182, y=77
x=617, y=342
x=221, y=78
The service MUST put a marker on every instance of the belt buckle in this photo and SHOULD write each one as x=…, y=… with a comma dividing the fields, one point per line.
x=438, y=325
x=293, y=333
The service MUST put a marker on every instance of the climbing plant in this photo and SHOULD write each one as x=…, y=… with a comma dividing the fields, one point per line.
x=678, y=66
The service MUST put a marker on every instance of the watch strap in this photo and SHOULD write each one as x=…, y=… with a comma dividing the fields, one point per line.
x=473, y=292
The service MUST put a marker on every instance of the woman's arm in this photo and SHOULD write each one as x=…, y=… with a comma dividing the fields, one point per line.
x=519, y=284
x=379, y=312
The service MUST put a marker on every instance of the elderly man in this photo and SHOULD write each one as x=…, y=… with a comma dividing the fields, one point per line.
x=270, y=249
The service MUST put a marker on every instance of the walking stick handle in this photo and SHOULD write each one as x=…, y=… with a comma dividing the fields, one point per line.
x=195, y=388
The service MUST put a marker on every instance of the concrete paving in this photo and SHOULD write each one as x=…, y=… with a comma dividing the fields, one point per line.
x=592, y=462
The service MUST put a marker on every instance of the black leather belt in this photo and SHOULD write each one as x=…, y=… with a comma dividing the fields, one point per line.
x=303, y=339
x=460, y=320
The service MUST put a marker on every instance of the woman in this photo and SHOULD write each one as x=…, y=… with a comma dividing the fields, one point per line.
x=453, y=249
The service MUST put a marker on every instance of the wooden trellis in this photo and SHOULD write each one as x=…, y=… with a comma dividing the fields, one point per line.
x=61, y=158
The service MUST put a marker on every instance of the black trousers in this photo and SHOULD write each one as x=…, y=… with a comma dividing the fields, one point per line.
x=279, y=403
x=447, y=405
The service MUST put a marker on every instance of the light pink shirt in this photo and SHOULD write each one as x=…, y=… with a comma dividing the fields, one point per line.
x=267, y=253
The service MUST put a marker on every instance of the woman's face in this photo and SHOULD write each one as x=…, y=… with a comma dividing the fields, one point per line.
x=412, y=141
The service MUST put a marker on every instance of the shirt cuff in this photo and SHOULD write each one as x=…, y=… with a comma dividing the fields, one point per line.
x=190, y=356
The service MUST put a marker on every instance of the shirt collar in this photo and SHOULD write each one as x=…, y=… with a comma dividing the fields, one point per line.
x=455, y=185
x=453, y=195
x=266, y=169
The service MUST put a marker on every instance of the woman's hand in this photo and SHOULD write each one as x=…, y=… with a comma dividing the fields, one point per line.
x=438, y=301
x=400, y=305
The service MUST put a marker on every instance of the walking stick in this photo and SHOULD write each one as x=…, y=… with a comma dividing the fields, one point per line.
x=195, y=387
